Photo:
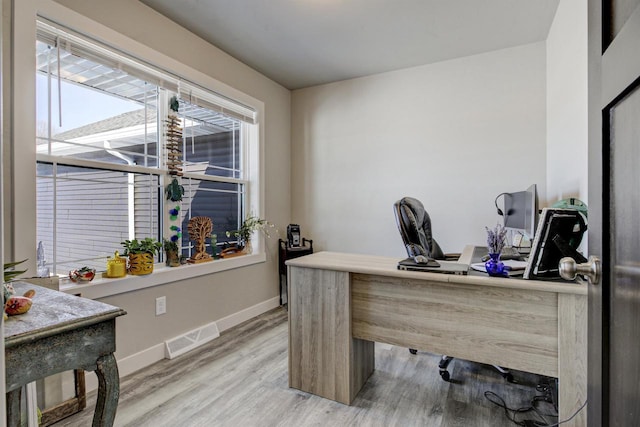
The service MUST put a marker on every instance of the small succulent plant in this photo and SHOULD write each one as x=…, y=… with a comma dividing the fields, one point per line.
x=249, y=225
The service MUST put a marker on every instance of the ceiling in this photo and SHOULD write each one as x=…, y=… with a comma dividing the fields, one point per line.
x=301, y=43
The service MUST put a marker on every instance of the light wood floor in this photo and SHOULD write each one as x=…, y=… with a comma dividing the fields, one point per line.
x=240, y=379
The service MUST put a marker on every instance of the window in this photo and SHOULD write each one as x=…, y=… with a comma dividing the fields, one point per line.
x=101, y=161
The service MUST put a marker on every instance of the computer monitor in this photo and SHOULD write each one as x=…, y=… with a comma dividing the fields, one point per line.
x=558, y=235
x=521, y=211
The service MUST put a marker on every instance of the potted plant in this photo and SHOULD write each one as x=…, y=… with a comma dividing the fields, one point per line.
x=495, y=244
x=248, y=227
x=141, y=253
x=171, y=252
x=10, y=272
x=14, y=304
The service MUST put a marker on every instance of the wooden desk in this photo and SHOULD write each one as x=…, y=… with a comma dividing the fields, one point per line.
x=340, y=304
x=60, y=333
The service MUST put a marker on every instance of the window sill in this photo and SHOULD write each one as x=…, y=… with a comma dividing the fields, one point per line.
x=102, y=287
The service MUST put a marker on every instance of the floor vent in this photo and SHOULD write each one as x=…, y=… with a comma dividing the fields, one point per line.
x=190, y=340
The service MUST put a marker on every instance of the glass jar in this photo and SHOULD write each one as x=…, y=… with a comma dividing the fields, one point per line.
x=116, y=266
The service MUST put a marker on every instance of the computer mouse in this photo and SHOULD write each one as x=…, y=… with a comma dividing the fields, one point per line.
x=421, y=259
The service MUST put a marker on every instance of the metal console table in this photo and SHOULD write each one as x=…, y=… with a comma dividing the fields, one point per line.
x=61, y=333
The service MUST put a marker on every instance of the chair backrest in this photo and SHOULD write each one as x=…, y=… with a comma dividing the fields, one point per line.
x=414, y=225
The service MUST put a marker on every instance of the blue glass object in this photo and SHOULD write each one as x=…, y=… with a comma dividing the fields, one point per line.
x=495, y=267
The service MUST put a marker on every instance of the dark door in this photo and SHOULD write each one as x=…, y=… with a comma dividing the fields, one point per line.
x=614, y=214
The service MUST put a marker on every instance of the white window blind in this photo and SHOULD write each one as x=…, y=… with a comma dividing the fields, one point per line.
x=56, y=35
x=215, y=102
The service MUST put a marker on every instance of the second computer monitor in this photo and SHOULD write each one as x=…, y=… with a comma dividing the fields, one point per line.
x=521, y=211
x=559, y=235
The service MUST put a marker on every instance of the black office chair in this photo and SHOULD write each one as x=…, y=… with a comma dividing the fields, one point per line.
x=414, y=225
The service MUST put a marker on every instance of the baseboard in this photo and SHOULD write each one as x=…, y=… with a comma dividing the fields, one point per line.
x=246, y=314
x=142, y=359
x=130, y=364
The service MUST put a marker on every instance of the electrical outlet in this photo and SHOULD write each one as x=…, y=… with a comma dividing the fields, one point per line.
x=161, y=305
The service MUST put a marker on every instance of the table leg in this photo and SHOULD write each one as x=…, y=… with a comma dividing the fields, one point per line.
x=108, y=391
x=13, y=407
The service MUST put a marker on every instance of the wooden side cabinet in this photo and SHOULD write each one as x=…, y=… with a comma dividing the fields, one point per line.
x=286, y=252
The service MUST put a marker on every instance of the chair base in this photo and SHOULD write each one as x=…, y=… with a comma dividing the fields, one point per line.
x=444, y=364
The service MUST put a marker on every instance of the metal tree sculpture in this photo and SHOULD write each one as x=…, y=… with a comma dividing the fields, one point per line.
x=200, y=228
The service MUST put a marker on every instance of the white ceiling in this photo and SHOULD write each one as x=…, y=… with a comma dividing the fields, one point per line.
x=300, y=43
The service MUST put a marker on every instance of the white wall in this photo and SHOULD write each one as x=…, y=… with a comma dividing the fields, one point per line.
x=567, y=121
x=453, y=134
